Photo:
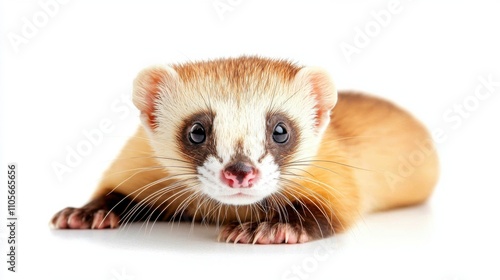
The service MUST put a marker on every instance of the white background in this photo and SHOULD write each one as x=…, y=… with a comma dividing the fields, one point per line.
x=72, y=72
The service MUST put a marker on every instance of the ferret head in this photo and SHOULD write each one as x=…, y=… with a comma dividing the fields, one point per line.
x=230, y=128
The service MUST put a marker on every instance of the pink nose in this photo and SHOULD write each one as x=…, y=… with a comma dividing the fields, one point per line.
x=239, y=175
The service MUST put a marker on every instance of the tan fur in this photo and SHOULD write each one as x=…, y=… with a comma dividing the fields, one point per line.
x=378, y=136
x=241, y=69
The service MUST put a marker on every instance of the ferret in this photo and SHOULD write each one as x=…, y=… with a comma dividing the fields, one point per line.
x=264, y=148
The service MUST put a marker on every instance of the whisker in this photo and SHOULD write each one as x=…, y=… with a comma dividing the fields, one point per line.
x=144, y=169
x=307, y=162
x=213, y=206
x=180, y=205
x=298, y=188
x=353, y=138
x=143, y=204
x=141, y=189
x=186, y=203
x=318, y=183
x=198, y=207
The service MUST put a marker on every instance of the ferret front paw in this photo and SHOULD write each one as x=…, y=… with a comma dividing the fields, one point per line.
x=263, y=233
x=84, y=218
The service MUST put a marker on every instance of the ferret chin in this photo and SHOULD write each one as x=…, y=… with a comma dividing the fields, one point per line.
x=264, y=147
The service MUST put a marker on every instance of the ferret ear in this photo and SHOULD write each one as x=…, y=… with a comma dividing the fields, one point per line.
x=323, y=89
x=148, y=86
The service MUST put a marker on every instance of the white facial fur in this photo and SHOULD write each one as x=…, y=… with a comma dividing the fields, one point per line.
x=239, y=126
x=216, y=189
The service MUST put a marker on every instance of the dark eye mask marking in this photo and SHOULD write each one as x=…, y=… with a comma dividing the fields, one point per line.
x=192, y=150
x=281, y=151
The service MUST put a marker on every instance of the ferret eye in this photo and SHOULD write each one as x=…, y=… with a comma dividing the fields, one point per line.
x=197, y=134
x=280, y=134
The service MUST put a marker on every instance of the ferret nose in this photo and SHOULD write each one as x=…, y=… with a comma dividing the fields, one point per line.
x=239, y=175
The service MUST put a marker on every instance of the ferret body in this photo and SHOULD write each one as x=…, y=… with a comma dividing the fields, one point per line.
x=263, y=147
